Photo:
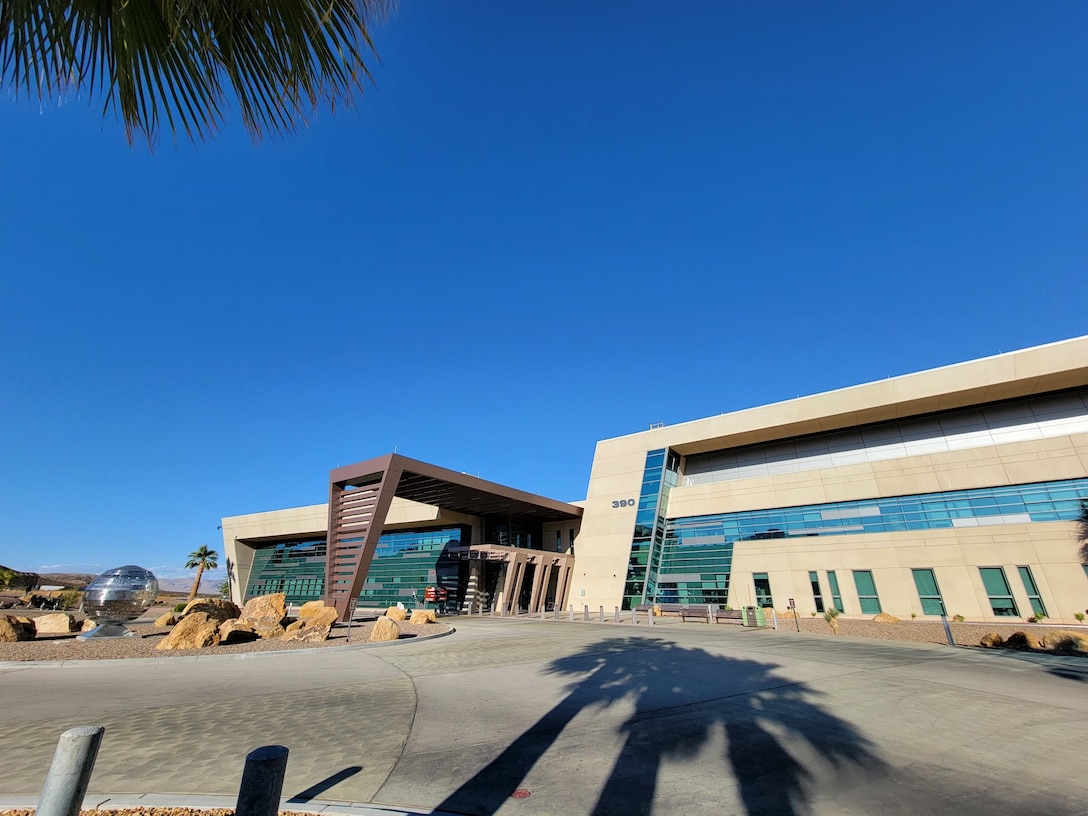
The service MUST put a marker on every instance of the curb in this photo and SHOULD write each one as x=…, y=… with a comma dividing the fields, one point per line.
x=124, y=801
x=12, y=665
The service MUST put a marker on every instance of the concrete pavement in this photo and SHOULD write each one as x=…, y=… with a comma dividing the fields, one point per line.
x=589, y=718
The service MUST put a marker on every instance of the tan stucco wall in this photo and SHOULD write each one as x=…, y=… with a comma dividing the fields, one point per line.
x=605, y=540
x=953, y=555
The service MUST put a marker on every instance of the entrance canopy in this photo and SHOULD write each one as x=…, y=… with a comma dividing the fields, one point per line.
x=360, y=496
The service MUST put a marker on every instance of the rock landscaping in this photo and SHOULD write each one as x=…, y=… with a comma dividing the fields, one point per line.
x=207, y=625
x=1062, y=642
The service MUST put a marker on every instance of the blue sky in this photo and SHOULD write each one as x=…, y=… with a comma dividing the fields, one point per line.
x=549, y=224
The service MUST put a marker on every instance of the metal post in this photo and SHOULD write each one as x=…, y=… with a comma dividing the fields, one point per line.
x=774, y=617
x=947, y=630
x=572, y=611
x=602, y=614
x=634, y=616
x=262, y=782
x=70, y=773
x=709, y=614
x=650, y=616
x=585, y=612
x=617, y=614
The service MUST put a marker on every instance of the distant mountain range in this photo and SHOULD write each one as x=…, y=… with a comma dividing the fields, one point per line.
x=78, y=580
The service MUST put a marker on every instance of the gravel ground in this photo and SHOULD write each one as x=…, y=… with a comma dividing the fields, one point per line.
x=924, y=631
x=156, y=811
x=67, y=647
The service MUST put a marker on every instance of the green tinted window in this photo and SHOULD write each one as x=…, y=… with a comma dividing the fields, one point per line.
x=836, y=595
x=867, y=597
x=763, y=589
x=997, y=589
x=1032, y=591
x=928, y=592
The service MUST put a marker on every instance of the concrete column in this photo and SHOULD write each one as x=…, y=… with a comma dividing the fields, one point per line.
x=512, y=567
x=475, y=582
x=562, y=585
x=523, y=562
x=540, y=585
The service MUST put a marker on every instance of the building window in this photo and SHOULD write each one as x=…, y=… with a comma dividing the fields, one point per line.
x=763, y=590
x=572, y=541
x=928, y=592
x=817, y=596
x=997, y=589
x=836, y=595
x=867, y=597
x=1032, y=590
x=559, y=541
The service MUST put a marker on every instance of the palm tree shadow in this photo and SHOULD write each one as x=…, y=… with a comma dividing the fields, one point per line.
x=681, y=696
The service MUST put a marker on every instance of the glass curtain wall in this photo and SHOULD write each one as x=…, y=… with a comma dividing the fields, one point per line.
x=660, y=474
x=405, y=563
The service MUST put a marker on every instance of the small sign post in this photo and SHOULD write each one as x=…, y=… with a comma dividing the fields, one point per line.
x=793, y=609
x=354, y=602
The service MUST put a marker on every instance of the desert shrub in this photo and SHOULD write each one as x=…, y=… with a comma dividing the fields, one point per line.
x=180, y=607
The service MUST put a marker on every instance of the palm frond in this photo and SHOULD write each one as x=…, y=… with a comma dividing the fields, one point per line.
x=1082, y=532
x=178, y=63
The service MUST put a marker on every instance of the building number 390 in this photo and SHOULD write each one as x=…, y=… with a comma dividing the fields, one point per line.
x=624, y=503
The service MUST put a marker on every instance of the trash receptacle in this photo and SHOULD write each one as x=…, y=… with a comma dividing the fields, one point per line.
x=754, y=616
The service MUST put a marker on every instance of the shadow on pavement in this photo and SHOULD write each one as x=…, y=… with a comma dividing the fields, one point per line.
x=680, y=695
x=314, y=791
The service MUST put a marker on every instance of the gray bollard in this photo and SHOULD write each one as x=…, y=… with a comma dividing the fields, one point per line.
x=585, y=612
x=634, y=616
x=572, y=611
x=602, y=614
x=617, y=614
x=774, y=618
x=262, y=782
x=948, y=631
x=68, y=777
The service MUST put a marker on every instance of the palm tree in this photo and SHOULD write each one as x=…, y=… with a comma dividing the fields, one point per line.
x=1082, y=532
x=200, y=560
x=175, y=60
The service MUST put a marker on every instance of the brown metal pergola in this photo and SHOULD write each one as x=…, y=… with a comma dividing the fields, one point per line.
x=360, y=496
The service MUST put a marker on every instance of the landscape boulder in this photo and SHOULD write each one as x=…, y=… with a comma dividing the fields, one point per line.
x=216, y=608
x=884, y=617
x=12, y=630
x=421, y=616
x=166, y=619
x=1022, y=640
x=194, y=631
x=1065, y=641
x=395, y=613
x=384, y=629
x=314, y=628
x=992, y=640
x=59, y=623
x=88, y=625
x=236, y=630
x=270, y=610
x=311, y=608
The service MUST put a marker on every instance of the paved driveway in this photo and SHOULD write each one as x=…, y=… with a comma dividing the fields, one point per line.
x=588, y=718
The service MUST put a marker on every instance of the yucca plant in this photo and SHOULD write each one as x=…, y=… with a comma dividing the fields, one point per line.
x=178, y=63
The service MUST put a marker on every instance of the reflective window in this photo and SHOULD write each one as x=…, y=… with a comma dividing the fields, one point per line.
x=997, y=589
x=763, y=590
x=867, y=597
x=928, y=592
x=817, y=596
x=1032, y=591
x=836, y=595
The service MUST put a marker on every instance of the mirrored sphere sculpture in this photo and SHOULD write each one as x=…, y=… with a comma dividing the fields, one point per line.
x=118, y=595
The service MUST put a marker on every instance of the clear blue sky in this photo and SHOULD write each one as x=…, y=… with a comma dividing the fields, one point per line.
x=551, y=223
